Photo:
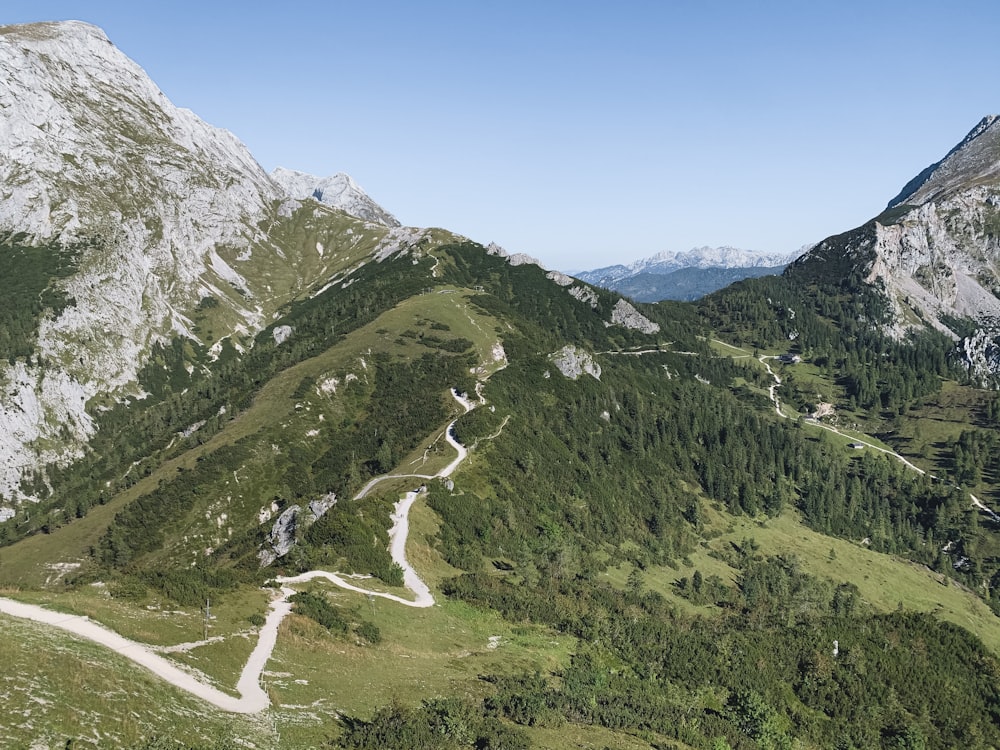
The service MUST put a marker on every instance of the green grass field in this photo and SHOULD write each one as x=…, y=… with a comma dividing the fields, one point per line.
x=55, y=688
x=885, y=581
x=25, y=564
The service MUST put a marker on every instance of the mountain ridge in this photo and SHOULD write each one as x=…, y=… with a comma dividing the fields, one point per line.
x=161, y=213
x=975, y=147
x=686, y=275
x=664, y=531
x=934, y=252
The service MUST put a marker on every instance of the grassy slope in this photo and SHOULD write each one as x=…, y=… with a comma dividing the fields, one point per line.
x=313, y=676
x=55, y=687
x=25, y=563
x=885, y=582
x=444, y=649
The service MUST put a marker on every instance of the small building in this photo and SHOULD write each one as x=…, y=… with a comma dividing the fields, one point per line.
x=857, y=446
x=789, y=359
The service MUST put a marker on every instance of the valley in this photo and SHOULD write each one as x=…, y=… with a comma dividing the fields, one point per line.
x=278, y=472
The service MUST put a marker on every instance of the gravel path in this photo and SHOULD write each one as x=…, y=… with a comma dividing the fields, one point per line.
x=252, y=698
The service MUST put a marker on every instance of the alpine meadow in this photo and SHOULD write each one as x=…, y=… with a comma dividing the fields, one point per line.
x=278, y=472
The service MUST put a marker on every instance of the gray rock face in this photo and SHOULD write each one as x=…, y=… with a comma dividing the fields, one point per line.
x=169, y=211
x=93, y=151
x=937, y=261
x=319, y=506
x=981, y=352
x=573, y=362
x=281, y=334
x=975, y=160
x=627, y=316
x=338, y=191
x=936, y=251
x=584, y=294
x=559, y=278
x=281, y=538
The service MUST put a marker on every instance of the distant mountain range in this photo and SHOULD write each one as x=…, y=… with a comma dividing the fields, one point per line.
x=687, y=275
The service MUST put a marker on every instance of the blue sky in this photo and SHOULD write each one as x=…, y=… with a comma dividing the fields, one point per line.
x=583, y=133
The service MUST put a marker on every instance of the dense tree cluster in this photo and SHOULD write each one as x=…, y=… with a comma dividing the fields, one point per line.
x=799, y=658
x=569, y=477
x=29, y=290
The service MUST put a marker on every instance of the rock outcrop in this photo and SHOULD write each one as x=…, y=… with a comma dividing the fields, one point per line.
x=935, y=251
x=283, y=534
x=625, y=315
x=573, y=362
x=162, y=212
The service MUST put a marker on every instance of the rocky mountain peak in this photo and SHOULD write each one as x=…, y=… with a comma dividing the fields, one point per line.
x=165, y=211
x=339, y=191
x=975, y=161
x=91, y=145
x=935, y=252
x=56, y=31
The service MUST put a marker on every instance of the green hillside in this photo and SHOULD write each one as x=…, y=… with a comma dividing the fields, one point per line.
x=644, y=555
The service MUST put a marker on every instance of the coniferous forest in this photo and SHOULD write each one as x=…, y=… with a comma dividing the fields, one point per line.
x=570, y=480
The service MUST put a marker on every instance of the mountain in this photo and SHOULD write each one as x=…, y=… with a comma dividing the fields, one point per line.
x=339, y=191
x=933, y=252
x=686, y=275
x=299, y=478
x=686, y=284
x=152, y=224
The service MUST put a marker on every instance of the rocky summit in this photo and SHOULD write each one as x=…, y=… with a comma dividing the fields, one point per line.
x=170, y=225
x=934, y=251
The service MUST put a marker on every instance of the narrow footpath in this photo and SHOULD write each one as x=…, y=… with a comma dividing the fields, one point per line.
x=772, y=394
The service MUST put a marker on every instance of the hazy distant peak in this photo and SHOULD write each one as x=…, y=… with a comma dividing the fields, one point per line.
x=338, y=191
x=715, y=257
x=698, y=257
x=974, y=161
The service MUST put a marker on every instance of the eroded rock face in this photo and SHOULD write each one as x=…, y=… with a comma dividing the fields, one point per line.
x=935, y=252
x=573, y=362
x=162, y=210
x=940, y=260
x=584, y=294
x=627, y=316
x=282, y=536
x=96, y=156
x=981, y=353
x=559, y=278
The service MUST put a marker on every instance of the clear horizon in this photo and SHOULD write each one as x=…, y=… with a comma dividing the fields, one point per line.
x=584, y=134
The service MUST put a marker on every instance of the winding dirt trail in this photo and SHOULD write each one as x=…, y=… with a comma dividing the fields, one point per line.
x=252, y=697
x=830, y=428
x=448, y=470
